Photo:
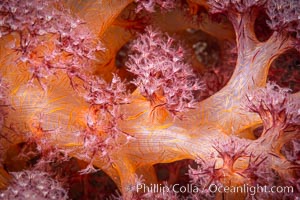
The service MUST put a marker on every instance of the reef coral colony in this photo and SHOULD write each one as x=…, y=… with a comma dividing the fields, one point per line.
x=108, y=99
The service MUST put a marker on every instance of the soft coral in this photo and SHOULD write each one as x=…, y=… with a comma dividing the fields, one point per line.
x=158, y=63
x=275, y=106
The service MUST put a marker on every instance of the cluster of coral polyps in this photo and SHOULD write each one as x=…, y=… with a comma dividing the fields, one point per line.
x=124, y=87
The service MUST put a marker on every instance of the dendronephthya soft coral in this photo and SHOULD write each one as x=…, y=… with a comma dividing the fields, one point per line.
x=116, y=85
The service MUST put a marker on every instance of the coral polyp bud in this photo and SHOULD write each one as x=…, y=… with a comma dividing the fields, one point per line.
x=275, y=106
x=158, y=63
x=33, y=184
